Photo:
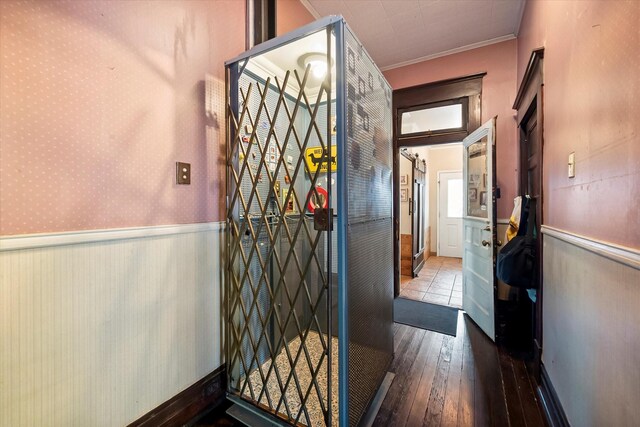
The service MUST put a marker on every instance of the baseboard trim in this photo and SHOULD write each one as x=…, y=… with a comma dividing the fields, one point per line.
x=621, y=254
x=183, y=407
x=552, y=408
x=31, y=241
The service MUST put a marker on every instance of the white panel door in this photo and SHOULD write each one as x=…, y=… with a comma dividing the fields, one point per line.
x=479, y=223
x=450, y=214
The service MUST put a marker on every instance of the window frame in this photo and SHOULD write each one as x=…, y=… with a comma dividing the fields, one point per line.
x=261, y=22
x=463, y=102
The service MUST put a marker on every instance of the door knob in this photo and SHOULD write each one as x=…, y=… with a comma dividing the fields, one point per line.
x=485, y=243
x=487, y=228
x=499, y=243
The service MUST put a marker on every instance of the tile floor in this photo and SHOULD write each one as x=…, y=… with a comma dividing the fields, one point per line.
x=439, y=282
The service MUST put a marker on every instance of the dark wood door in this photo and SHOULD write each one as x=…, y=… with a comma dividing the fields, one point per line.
x=531, y=184
x=416, y=207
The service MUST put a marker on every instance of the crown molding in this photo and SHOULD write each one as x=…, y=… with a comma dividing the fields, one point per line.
x=450, y=52
x=310, y=8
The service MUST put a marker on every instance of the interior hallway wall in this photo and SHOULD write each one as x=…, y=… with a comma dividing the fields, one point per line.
x=99, y=100
x=101, y=331
x=291, y=14
x=591, y=106
x=498, y=93
x=591, y=339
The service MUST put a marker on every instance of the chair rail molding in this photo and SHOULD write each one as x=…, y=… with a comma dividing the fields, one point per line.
x=30, y=241
x=622, y=254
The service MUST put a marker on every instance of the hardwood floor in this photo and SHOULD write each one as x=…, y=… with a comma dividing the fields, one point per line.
x=456, y=381
x=449, y=381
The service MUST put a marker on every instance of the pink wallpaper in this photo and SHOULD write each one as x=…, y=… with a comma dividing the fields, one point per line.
x=98, y=101
x=591, y=107
x=498, y=93
x=291, y=15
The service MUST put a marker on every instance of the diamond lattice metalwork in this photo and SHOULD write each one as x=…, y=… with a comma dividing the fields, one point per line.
x=279, y=351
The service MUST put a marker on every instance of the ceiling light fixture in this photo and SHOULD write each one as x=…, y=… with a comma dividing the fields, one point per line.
x=317, y=62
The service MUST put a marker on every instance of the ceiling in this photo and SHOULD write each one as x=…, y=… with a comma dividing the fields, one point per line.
x=277, y=61
x=402, y=32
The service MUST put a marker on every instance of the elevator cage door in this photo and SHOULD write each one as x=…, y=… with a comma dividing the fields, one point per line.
x=308, y=283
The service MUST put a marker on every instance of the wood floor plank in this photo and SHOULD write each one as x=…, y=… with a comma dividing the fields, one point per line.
x=399, y=336
x=498, y=411
x=489, y=400
x=530, y=406
x=512, y=397
x=421, y=398
x=401, y=367
x=402, y=410
x=438, y=390
x=481, y=410
x=452, y=394
x=466, y=414
x=456, y=381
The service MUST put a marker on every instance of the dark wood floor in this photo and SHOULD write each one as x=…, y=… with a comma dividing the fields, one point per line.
x=456, y=381
x=448, y=381
x=218, y=418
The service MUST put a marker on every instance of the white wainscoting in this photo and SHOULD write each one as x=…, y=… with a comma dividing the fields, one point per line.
x=97, y=328
x=591, y=328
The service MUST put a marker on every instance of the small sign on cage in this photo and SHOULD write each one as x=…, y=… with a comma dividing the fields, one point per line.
x=316, y=158
x=291, y=203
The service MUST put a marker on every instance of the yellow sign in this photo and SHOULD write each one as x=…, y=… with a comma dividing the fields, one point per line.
x=315, y=158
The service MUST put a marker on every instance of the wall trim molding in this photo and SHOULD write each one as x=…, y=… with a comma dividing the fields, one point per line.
x=31, y=241
x=551, y=405
x=529, y=77
x=189, y=404
x=311, y=9
x=449, y=52
x=622, y=254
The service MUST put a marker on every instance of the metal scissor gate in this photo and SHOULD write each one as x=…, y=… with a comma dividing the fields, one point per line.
x=286, y=299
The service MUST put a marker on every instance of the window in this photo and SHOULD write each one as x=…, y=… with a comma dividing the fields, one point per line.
x=432, y=118
x=454, y=198
x=437, y=113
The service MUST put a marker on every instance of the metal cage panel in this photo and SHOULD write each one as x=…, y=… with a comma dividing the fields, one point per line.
x=299, y=281
x=369, y=254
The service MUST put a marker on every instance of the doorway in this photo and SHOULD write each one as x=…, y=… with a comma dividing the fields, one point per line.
x=435, y=114
x=412, y=219
x=449, y=223
x=440, y=279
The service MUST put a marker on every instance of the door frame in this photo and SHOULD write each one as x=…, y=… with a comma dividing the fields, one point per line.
x=417, y=254
x=438, y=207
x=415, y=160
x=469, y=87
x=529, y=99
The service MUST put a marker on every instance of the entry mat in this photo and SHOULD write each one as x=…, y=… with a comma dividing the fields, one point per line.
x=433, y=317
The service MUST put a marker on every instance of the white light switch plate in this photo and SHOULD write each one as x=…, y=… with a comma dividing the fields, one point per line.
x=572, y=165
